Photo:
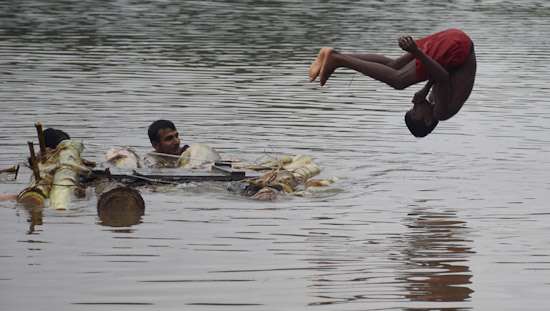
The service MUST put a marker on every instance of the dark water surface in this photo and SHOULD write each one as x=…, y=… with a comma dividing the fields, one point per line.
x=455, y=221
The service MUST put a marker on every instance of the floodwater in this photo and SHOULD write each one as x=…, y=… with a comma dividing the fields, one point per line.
x=456, y=221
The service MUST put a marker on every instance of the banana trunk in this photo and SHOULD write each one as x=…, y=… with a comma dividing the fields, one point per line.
x=305, y=172
x=65, y=178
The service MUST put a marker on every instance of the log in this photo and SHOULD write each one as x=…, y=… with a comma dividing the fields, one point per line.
x=66, y=176
x=118, y=205
x=33, y=196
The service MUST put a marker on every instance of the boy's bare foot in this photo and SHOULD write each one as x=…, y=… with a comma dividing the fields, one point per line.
x=316, y=66
x=327, y=66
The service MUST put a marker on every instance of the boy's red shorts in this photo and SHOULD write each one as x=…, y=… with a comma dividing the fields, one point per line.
x=450, y=48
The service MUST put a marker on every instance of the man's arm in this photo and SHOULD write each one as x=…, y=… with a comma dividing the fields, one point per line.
x=8, y=197
x=435, y=70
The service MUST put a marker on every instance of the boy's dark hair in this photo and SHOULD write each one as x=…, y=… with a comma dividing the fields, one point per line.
x=417, y=127
x=53, y=137
x=156, y=126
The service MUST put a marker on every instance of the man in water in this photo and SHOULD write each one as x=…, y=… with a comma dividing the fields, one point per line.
x=52, y=138
x=166, y=143
x=446, y=60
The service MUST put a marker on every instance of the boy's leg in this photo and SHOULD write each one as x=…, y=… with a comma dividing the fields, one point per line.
x=396, y=63
x=397, y=78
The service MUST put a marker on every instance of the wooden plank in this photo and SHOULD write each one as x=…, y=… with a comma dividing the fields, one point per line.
x=171, y=175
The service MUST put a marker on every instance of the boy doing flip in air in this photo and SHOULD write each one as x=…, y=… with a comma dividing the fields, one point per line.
x=446, y=60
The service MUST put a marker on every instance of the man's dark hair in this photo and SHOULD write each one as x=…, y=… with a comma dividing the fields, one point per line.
x=156, y=126
x=417, y=127
x=53, y=137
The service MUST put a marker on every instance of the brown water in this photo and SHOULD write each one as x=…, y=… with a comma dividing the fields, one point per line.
x=455, y=221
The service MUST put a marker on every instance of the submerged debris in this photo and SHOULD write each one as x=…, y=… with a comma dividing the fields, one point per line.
x=122, y=157
x=290, y=175
x=198, y=156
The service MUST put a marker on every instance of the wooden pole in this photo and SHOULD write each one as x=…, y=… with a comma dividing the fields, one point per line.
x=12, y=169
x=41, y=140
x=33, y=196
x=33, y=161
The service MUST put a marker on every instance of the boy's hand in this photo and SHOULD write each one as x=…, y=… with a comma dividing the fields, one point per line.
x=419, y=98
x=408, y=44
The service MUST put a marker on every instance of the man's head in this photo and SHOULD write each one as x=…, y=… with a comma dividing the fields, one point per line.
x=420, y=119
x=52, y=137
x=164, y=137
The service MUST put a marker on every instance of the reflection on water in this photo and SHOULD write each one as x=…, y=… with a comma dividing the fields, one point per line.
x=437, y=258
x=234, y=76
x=34, y=217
